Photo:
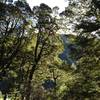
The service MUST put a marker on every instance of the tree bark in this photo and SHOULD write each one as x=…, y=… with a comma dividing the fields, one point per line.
x=5, y=97
x=28, y=88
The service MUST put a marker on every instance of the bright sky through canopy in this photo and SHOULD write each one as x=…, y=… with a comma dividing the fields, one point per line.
x=52, y=3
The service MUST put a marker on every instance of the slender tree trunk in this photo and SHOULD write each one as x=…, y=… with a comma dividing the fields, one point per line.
x=5, y=97
x=37, y=59
x=29, y=87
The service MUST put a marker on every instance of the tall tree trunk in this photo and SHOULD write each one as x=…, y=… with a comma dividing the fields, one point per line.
x=37, y=59
x=5, y=96
x=29, y=87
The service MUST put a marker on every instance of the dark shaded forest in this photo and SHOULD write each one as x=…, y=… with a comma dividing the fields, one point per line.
x=47, y=55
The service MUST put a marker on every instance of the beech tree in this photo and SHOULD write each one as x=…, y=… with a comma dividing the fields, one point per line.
x=13, y=24
x=46, y=28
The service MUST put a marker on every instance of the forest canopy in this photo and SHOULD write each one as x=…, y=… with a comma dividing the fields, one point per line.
x=47, y=55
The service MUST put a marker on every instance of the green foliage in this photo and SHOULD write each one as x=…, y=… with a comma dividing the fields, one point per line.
x=30, y=48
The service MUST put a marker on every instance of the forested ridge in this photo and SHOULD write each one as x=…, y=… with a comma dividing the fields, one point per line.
x=47, y=55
